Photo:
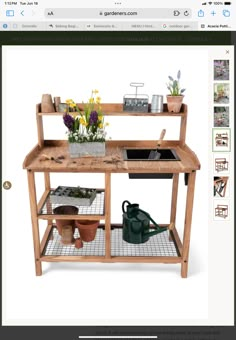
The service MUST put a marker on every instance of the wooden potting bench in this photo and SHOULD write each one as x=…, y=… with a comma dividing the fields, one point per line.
x=221, y=210
x=221, y=164
x=108, y=245
x=222, y=139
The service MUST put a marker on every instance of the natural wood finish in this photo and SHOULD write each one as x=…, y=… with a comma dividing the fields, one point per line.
x=183, y=126
x=108, y=215
x=31, y=156
x=188, y=160
x=45, y=237
x=63, y=258
x=174, y=200
x=117, y=110
x=35, y=226
x=128, y=259
x=147, y=259
x=47, y=180
x=39, y=120
x=188, y=221
x=177, y=240
x=42, y=200
x=47, y=183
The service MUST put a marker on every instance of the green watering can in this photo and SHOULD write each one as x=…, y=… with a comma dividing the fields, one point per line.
x=136, y=224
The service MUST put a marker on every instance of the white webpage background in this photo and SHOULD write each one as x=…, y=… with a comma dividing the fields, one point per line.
x=95, y=293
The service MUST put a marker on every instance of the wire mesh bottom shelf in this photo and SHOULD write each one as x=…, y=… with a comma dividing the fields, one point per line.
x=158, y=245
x=94, y=248
x=96, y=208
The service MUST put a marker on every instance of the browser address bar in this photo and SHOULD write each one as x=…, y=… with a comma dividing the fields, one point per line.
x=111, y=13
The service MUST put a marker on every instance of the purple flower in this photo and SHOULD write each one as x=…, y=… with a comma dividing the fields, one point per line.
x=93, y=118
x=68, y=121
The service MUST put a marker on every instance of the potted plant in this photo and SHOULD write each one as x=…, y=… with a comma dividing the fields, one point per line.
x=86, y=129
x=175, y=98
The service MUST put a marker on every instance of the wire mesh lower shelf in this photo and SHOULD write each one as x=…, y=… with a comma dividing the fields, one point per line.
x=158, y=245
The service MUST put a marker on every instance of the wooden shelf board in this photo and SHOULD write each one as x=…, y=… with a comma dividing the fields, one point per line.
x=117, y=110
x=188, y=159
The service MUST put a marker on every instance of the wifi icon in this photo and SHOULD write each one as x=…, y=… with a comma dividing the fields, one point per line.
x=210, y=3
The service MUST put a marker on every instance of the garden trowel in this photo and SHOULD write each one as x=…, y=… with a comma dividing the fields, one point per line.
x=154, y=154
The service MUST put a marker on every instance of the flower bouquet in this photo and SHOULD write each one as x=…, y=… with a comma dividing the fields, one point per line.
x=86, y=129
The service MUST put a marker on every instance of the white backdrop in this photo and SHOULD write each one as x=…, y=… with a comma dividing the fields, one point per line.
x=102, y=293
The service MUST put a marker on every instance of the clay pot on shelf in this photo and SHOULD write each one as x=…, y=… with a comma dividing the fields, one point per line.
x=87, y=229
x=67, y=235
x=174, y=103
x=57, y=101
x=47, y=104
x=78, y=243
x=65, y=210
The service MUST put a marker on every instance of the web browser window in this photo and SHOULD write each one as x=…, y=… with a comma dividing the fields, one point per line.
x=118, y=169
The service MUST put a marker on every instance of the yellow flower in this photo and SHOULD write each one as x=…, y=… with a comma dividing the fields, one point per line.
x=91, y=100
x=95, y=91
x=100, y=126
x=106, y=124
x=69, y=101
x=82, y=121
x=98, y=100
x=74, y=114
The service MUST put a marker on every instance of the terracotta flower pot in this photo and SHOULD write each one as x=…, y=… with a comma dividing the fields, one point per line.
x=78, y=243
x=174, y=103
x=65, y=210
x=87, y=229
x=67, y=235
x=47, y=104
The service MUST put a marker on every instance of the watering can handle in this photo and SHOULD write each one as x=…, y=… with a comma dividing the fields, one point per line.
x=145, y=213
x=123, y=205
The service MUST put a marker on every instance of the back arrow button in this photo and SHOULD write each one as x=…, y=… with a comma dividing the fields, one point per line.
x=22, y=13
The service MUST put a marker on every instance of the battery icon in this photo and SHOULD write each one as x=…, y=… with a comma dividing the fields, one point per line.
x=227, y=3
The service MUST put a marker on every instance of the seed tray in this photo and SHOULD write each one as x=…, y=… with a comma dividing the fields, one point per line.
x=63, y=195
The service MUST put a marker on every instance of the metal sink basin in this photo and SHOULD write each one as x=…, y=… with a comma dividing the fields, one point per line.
x=143, y=155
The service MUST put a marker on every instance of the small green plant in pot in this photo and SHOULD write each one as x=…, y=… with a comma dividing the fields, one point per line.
x=175, y=98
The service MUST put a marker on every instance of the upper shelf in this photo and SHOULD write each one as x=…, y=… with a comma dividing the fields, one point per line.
x=117, y=110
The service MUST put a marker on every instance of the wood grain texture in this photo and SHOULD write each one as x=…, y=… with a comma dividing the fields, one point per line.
x=114, y=149
x=188, y=221
x=116, y=109
x=108, y=215
x=34, y=219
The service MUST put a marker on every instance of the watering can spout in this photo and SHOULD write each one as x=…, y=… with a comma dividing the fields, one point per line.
x=155, y=232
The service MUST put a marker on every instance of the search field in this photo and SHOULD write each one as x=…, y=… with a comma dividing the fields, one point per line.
x=138, y=13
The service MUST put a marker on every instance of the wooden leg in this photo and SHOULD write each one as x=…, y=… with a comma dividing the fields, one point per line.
x=47, y=184
x=188, y=221
x=47, y=181
x=34, y=219
x=174, y=200
x=108, y=215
